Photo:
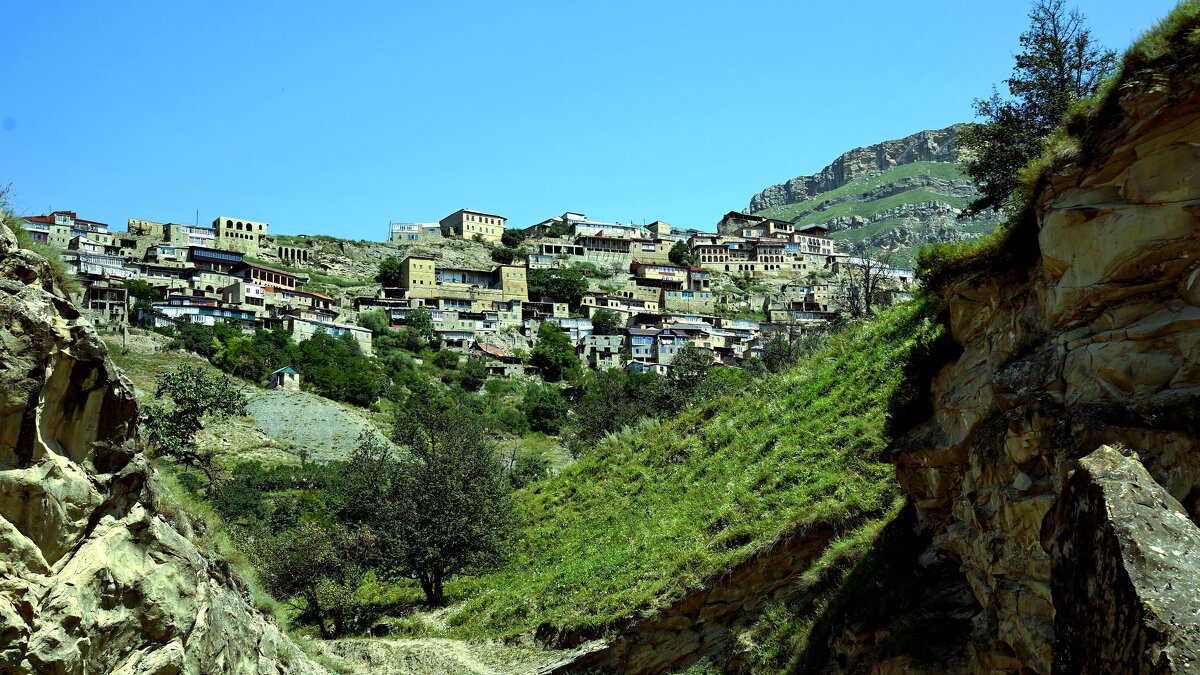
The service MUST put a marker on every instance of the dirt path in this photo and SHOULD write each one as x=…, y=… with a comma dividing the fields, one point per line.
x=439, y=656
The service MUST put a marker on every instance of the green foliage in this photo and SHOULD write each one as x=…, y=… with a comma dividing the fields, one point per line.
x=336, y=368
x=421, y=323
x=612, y=400
x=606, y=322
x=593, y=271
x=1058, y=65
x=376, y=321
x=193, y=397
x=558, y=229
x=554, y=353
x=545, y=407
x=512, y=238
x=559, y=285
x=680, y=254
x=140, y=289
x=442, y=509
x=662, y=509
x=389, y=271
x=506, y=255
x=446, y=360
x=689, y=367
x=474, y=373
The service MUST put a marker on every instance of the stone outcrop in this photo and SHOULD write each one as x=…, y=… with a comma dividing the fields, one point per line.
x=92, y=578
x=940, y=145
x=1126, y=567
x=1092, y=340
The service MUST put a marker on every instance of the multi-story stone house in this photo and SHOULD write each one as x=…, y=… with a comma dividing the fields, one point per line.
x=469, y=224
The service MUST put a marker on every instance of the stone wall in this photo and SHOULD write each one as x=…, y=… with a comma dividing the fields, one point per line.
x=92, y=579
x=1097, y=342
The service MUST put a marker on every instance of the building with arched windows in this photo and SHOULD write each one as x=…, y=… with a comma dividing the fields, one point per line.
x=236, y=234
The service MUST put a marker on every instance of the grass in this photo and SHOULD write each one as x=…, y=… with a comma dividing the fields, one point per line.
x=862, y=184
x=314, y=278
x=659, y=510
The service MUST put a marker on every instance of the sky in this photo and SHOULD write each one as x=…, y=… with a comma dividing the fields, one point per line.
x=338, y=118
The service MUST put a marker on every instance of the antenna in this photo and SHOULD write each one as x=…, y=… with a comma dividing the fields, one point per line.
x=197, y=217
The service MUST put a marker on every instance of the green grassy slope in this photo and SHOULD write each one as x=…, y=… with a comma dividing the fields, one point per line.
x=658, y=511
x=863, y=184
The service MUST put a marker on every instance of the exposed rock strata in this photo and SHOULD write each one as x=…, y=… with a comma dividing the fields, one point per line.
x=92, y=580
x=1096, y=342
x=940, y=145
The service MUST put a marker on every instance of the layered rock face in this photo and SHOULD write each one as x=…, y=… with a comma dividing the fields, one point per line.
x=92, y=579
x=1078, y=558
x=938, y=145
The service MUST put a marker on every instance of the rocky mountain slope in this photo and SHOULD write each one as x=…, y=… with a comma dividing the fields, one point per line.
x=93, y=576
x=1059, y=467
x=891, y=196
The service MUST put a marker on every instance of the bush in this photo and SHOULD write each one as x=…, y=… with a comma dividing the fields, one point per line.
x=545, y=408
x=446, y=360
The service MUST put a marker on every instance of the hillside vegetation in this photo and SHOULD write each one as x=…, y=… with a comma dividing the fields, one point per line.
x=660, y=510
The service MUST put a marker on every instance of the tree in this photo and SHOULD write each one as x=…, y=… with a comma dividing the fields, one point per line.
x=140, y=289
x=474, y=373
x=389, y=271
x=606, y=322
x=688, y=369
x=554, y=354
x=505, y=255
x=865, y=283
x=194, y=397
x=441, y=509
x=545, y=407
x=1059, y=64
x=680, y=254
x=558, y=229
x=318, y=564
x=512, y=238
x=559, y=285
x=420, y=321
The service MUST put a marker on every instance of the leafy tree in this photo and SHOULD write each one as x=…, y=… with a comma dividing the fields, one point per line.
x=506, y=255
x=680, y=254
x=474, y=373
x=688, y=370
x=554, y=354
x=421, y=322
x=446, y=360
x=545, y=407
x=558, y=229
x=606, y=322
x=512, y=238
x=440, y=510
x=317, y=563
x=389, y=271
x=194, y=397
x=559, y=285
x=140, y=289
x=196, y=338
x=375, y=320
x=1059, y=64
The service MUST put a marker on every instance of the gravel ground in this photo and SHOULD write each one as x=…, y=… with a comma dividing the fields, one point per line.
x=302, y=421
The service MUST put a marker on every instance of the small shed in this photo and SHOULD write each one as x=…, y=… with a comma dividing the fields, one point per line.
x=284, y=378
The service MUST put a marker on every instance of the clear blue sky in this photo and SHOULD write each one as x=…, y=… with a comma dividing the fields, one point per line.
x=335, y=118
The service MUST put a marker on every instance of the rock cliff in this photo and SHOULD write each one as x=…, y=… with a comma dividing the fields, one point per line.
x=938, y=145
x=92, y=578
x=1078, y=557
x=893, y=196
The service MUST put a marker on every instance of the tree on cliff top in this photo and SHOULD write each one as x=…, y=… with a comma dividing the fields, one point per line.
x=1059, y=64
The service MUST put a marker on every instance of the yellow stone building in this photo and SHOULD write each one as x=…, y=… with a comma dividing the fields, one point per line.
x=468, y=224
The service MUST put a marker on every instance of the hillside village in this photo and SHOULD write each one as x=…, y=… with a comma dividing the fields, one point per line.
x=726, y=291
